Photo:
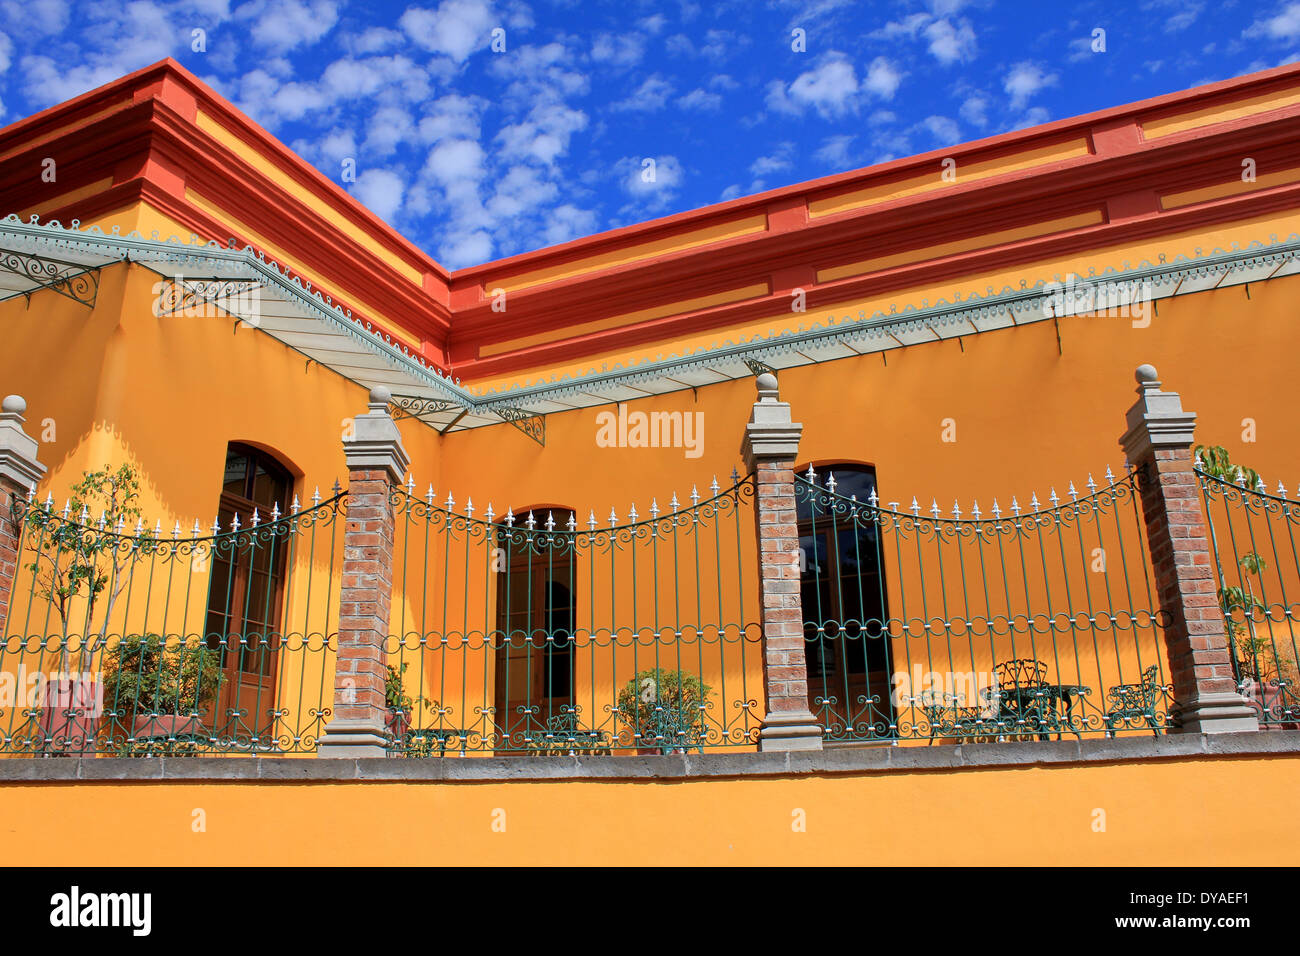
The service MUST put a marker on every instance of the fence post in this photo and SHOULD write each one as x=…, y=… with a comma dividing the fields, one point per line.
x=19, y=473
x=771, y=446
x=376, y=463
x=1158, y=444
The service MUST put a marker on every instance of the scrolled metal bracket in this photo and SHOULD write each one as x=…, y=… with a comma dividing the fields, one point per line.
x=77, y=282
x=530, y=423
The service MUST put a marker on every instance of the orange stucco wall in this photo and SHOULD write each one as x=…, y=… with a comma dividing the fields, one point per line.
x=1203, y=811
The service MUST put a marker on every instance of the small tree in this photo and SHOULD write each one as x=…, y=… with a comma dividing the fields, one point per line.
x=1254, y=655
x=77, y=560
x=666, y=708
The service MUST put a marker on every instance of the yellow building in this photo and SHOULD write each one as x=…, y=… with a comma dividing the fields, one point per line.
x=536, y=507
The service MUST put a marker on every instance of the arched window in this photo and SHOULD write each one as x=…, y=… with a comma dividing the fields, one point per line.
x=845, y=600
x=535, y=624
x=246, y=591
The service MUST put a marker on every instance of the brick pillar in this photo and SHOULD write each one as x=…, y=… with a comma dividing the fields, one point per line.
x=19, y=473
x=771, y=444
x=376, y=462
x=1158, y=444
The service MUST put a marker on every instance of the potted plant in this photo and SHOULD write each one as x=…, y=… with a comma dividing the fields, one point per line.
x=665, y=710
x=400, y=704
x=156, y=692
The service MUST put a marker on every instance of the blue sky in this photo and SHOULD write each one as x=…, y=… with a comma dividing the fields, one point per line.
x=475, y=154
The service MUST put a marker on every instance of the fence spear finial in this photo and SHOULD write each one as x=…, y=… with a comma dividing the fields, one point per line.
x=916, y=508
x=571, y=525
x=934, y=507
x=531, y=522
x=975, y=512
x=510, y=517
x=550, y=520
x=1015, y=506
x=873, y=499
x=695, y=496
x=1241, y=478
x=197, y=530
x=293, y=508
x=1110, y=477
x=315, y=497
x=956, y=509
x=410, y=483
x=176, y=529
x=1074, y=495
x=591, y=518
x=654, y=507
x=489, y=514
x=469, y=507
x=428, y=495
x=256, y=516
x=613, y=518
x=714, y=486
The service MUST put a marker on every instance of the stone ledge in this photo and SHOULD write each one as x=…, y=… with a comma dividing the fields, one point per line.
x=835, y=760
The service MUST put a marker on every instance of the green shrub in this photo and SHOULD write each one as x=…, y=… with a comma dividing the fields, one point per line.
x=665, y=707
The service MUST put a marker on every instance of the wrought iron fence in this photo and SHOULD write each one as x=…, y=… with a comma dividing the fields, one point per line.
x=997, y=625
x=1253, y=540
x=140, y=642
x=542, y=633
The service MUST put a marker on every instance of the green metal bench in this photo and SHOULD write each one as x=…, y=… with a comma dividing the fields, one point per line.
x=1129, y=704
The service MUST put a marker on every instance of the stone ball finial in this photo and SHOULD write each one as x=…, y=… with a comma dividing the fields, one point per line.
x=14, y=404
x=379, y=395
x=767, y=385
x=1146, y=374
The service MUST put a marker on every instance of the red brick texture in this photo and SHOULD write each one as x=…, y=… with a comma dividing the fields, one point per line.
x=10, y=495
x=365, y=599
x=1180, y=558
x=785, y=673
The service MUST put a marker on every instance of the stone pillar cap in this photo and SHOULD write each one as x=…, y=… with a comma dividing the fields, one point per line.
x=1156, y=420
x=771, y=433
x=376, y=442
x=18, y=461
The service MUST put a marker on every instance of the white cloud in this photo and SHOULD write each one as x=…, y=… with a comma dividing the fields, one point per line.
x=454, y=162
x=288, y=24
x=651, y=189
x=944, y=130
x=834, y=151
x=949, y=43
x=618, y=50
x=1283, y=26
x=1024, y=80
x=831, y=87
x=700, y=100
x=465, y=249
x=974, y=110
x=650, y=97
x=782, y=158
x=456, y=28
x=883, y=78
x=381, y=191
x=567, y=221
x=375, y=40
